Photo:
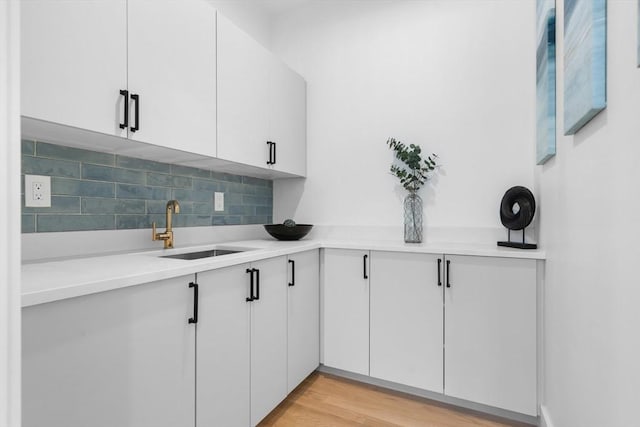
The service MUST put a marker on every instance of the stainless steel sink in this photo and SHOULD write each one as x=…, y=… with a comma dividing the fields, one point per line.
x=202, y=254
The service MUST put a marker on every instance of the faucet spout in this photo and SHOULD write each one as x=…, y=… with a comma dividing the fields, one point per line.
x=173, y=207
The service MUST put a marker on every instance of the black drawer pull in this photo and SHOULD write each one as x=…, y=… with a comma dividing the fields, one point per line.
x=364, y=266
x=194, y=319
x=250, y=298
x=439, y=276
x=448, y=274
x=257, y=296
x=293, y=272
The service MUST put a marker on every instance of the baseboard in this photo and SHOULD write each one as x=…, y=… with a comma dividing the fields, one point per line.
x=438, y=397
x=545, y=418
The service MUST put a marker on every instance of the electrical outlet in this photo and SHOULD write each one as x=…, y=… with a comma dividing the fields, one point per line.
x=37, y=191
x=218, y=202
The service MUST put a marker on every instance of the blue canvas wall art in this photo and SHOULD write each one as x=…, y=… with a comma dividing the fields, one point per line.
x=585, y=62
x=545, y=80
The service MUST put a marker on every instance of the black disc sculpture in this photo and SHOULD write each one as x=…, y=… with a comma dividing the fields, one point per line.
x=516, y=212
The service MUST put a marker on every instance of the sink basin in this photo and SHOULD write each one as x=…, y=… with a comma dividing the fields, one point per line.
x=202, y=254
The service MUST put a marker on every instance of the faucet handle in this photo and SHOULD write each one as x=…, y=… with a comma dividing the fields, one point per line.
x=153, y=231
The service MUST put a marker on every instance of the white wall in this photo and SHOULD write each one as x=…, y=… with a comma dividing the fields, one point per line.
x=10, y=214
x=456, y=77
x=590, y=228
x=249, y=15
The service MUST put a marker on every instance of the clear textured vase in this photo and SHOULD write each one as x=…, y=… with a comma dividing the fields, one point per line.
x=413, y=218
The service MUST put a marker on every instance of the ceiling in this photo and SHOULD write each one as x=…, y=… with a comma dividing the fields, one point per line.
x=279, y=7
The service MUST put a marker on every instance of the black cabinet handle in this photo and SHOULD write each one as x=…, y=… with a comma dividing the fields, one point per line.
x=448, y=274
x=439, y=267
x=274, y=145
x=125, y=93
x=257, y=297
x=270, y=152
x=364, y=266
x=194, y=319
x=250, y=298
x=136, y=99
x=293, y=272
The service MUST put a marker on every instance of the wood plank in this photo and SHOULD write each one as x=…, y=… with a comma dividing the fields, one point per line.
x=327, y=400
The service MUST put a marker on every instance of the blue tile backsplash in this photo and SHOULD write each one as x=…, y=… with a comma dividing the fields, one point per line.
x=91, y=190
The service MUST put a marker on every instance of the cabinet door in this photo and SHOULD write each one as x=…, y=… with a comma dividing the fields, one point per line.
x=303, y=341
x=490, y=332
x=223, y=348
x=287, y=119
x=269, y=338
x=346, y=310
x=406, y=319
x=243, y=110
x=172, y=67
x=117, y=358
x=74, y=62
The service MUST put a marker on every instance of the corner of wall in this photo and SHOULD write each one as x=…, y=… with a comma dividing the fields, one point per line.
x=545, y=418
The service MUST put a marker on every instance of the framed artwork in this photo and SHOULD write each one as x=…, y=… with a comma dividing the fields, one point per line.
x=545, y=80
x=585, y=62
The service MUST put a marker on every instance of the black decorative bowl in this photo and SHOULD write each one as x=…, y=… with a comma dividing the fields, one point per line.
x=282, y=232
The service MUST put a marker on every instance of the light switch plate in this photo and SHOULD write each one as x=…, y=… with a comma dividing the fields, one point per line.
x=37, y=191
x=218, y=202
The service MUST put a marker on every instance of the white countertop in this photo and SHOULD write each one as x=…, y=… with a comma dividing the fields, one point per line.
x=54, y=280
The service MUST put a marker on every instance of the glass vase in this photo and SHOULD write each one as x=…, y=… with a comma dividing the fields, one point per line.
x=413, y=218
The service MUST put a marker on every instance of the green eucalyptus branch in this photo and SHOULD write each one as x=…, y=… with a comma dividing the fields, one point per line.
x=416, y=170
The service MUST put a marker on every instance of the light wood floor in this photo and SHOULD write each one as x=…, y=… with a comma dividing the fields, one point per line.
x=326, y=400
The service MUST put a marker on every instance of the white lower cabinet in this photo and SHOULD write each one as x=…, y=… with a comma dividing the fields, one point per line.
x=154, y=355
x=490, y=331
x=268, y=337
x=242, y=343
x=223, y=386
x=303, y=319
x=406, y=319
x=464, y=326
x=119, y=358
x=129, y=357
x=346, y=310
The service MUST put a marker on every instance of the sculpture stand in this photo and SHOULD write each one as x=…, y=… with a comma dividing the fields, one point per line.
x=519, y=245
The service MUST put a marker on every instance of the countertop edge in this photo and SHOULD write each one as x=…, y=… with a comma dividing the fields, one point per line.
x=162, y=269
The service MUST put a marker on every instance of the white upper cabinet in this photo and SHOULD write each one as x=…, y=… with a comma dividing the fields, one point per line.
x=243, y=96
x=142, y=69
x=74, y=62
x=288, y=118
x=261, y=105
x=172, y=70
x=167, y=74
